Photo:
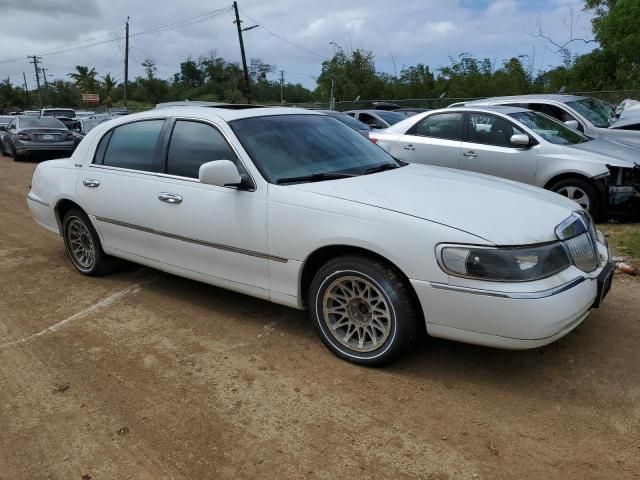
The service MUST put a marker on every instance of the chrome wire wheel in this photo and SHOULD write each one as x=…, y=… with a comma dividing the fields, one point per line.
x=576, y=194
x=357, y=313
x=80, y=244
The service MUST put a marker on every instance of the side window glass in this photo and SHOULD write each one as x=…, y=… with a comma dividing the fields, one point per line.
x=491, y=130
x=442, y=125
x=98, y=158
x=370, y=120
x=133, y=145
x=195, y=143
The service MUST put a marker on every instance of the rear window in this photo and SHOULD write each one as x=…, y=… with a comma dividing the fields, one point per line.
x=28, y=122
x=391, y=117
x=133, y=145
x=59, y=113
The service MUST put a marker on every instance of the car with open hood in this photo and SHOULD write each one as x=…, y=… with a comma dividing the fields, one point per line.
x=601, y=175
x=294, y=207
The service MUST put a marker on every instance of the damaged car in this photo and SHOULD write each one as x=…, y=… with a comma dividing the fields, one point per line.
x=602, y=176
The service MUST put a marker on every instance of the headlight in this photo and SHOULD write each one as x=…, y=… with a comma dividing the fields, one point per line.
x=519, y=264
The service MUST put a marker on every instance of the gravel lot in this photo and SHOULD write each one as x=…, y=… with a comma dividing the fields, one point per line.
x=144, y=375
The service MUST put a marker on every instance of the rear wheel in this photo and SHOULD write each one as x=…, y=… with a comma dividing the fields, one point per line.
x=362, y=310
x=581, y=192
x=83, y=246
x=14, y=154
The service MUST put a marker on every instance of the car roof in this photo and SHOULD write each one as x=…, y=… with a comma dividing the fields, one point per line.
x=504, y=109
x=554, y=97
x=213, y=113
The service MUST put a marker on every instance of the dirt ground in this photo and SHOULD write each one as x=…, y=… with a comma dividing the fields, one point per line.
x=142, y=375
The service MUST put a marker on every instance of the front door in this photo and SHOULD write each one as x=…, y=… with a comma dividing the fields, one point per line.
x=487, y=149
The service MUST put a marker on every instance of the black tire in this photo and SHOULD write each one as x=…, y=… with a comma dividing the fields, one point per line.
x=394, y=294
x=587, y=189
x=100, y=263
x=14, y=154
x=2, y=152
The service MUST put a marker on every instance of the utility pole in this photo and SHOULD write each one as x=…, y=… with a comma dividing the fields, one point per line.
x=126, y=64
x=245, y=70
x=44, y=76
x=26, y=90
x=35, y=61
x=332, y=101
x=281, y=87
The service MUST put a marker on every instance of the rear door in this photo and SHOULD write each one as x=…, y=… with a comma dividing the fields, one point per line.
x=120, y=188
x=487, y=149
x=434, y=140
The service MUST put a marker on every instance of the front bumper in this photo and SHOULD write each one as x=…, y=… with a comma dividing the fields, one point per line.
x=505, y=318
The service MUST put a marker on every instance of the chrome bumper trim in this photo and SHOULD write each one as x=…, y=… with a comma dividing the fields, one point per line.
x=512, y=295
x=217, y=246
x=37, y=200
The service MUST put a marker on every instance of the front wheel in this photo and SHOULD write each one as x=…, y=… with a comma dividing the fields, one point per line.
x=83, y=246
x=362, y=310
x=581, y=192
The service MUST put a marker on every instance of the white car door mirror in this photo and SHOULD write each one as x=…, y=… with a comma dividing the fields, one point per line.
x=222, y=173
x=572, y=124
x=520, y=140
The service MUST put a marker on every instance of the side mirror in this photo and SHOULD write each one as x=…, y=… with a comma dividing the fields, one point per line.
x=572, y=124
x=520, y=140
x=222, y=173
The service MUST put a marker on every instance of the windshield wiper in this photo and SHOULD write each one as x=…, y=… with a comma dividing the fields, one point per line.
x=381, y=168
x=314, y=177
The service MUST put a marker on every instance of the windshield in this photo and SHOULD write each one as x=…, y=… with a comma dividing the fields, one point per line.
x=550, y=129
x=6, y=120
x=286, y=146
x=596, y=111
x=391, y=117
x=26, y=122
x=59, y=113
x=349, y=121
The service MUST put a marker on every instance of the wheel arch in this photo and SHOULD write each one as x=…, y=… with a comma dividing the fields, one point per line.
x=598, y=185
x=322, y=255
x=61, y=207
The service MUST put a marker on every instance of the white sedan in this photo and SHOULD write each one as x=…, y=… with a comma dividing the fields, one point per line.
x=294, y=207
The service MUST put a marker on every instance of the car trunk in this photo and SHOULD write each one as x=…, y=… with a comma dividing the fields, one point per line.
x=47, y=135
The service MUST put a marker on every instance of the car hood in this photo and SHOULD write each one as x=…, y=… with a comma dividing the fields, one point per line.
x=628, y=113
x=499, y=211
x=610, y=151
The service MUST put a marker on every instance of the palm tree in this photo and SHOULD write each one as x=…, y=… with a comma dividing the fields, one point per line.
x=85, y=79
x=108, y=84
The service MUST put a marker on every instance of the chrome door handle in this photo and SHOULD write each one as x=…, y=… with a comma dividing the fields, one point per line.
x=470, y=154
x=91, y=182
x=169, y=197
x=409, y=147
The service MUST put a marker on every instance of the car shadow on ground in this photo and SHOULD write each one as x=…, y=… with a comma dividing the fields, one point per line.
x=431, y=358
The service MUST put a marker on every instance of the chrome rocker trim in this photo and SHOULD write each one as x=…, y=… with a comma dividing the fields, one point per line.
x=217, y=246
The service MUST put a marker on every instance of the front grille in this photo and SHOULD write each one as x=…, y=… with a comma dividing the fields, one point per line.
x=583, y=251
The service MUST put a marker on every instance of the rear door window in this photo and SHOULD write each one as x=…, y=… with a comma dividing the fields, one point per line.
x=441, y=125
x=133, y=145
x=193, y=144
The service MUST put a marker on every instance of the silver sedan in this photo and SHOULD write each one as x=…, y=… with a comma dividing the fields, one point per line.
x=525, y=146
x=27, y=135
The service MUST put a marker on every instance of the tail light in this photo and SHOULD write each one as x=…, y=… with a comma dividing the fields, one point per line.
x=374, y=140
x=23, y=136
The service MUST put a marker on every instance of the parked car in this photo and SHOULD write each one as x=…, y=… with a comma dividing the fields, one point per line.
x=58, y=112
x=591, y=116
x=310, y=214
x=376, y=119
x=82, y=126
x=4, y=122
x=409, y=111
x=27, y=135
x=83, y=114
x=349, y=121
x=525, y=146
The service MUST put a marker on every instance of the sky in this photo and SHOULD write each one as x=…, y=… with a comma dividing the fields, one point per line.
x=293, y=35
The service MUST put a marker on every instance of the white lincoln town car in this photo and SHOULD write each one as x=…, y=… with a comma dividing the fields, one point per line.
x=294, y=207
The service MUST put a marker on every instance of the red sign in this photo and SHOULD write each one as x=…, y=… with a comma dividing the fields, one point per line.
x=90, y=98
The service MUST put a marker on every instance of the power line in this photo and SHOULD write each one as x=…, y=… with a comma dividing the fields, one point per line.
x=162, y=28
x=284, y=39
